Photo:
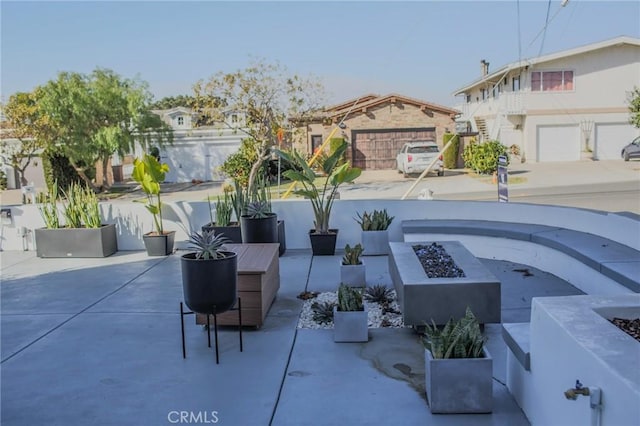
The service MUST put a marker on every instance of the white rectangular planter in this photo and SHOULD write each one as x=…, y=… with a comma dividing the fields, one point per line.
x=353, y=275
x=375, y=243
x=350, y=326
x=459, y=385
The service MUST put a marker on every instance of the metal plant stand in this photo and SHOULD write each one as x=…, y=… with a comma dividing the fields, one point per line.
x=215, y=327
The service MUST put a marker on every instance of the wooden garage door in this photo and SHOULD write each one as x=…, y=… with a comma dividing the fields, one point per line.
x=558, y=143
x=377, y=149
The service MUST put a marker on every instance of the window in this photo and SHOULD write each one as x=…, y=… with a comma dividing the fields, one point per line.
x=515, y=84
x=484, y=94
x=234, y=118
x=180, y=121
x=551, y=81
x=468, y=99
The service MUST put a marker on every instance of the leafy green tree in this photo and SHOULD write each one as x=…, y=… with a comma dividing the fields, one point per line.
x=238, y=165
x=24, y=132
x=634, y=107
x=263, y=97
x=95, y=116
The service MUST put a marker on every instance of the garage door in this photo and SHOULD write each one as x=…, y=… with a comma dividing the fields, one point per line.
x=558, y=143
x=377, y=149
x=611, y=138
x=196, y=161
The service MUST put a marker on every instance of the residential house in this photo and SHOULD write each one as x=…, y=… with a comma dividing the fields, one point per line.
x=563, y=106
x=377, y=126
x=198, y=151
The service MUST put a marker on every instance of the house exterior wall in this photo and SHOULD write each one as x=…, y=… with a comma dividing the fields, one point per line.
x=390, y=116
x=602, y=81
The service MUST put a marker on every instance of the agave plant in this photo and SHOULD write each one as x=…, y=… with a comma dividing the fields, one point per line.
x=378, y=293
x=457, y=339
x=258, y=209
x=349, y=299
x=352, y=255
x=323, y=312
x=379, y=220
x=208, y=245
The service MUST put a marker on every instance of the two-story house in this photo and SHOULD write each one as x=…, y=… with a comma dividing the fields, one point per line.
x=198, y=151
x=563, y=106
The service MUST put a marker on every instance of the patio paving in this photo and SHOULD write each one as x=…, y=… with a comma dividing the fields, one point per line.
x=97, y=341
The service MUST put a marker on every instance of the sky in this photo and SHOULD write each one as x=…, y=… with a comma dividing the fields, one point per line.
x=421, y=49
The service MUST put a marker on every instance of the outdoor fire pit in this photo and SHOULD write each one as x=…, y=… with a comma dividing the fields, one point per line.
x=423, y=299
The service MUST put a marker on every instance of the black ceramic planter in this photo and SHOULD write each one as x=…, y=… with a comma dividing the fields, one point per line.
x=323, y=244
x=159, y=245
x=233, y=231
x=262, y=230
x=209, y=286
x=282, y=238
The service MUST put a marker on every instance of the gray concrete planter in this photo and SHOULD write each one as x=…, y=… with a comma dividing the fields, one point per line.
x=353, y=275
x=76, y=242
x=159, y=245
x=460, y=385
x=350, y=326
x=375, y=243
x=422, y=299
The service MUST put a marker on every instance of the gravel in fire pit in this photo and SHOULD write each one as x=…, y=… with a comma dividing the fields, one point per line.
x=629, y=326
x=437, y=263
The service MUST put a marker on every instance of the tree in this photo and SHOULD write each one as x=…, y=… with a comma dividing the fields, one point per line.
x=187, y=101
x=98, y=115
x=264, y=97
x=634, y=107
x=24, y=132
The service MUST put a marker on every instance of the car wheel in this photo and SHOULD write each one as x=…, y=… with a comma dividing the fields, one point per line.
x=440, y=172
x=626, y=156
x=405, y=174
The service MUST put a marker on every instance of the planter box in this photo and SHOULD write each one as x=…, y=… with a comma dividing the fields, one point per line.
x=159, y=245
x=460, y=385
x=323, y=244
x=350, y=326
x=233, y=231
x=422, y=299
x=76, y=242
x=353, y=275
x=258, y=283
x=375, y=243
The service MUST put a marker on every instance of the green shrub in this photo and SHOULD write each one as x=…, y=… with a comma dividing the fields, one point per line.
x=238, y=165
x=450, y=156
x=483, y=157
x=57, y=168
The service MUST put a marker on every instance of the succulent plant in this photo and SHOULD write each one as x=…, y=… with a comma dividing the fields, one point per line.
x=379, y=294
x=224, y=208
x=379, y=220
x=457, y=339
x=352, y=255
x=349, y=299
x=323, y=312
x=208, y=245
x=258, y=209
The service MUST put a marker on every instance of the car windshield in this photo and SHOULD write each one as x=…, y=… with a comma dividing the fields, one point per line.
x=422, y=149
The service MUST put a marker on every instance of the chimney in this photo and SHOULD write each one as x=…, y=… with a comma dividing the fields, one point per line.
x=484, y=67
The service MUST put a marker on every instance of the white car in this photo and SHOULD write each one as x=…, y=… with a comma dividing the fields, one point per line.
x=415, y=157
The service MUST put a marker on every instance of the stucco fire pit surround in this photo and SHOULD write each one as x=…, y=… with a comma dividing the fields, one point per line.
x=422, y=299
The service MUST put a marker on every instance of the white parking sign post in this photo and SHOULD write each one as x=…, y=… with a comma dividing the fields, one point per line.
x=503, y=193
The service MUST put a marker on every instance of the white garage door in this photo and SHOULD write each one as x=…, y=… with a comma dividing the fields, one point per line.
x=196, y=161
x=611, y=138
x=558, y=143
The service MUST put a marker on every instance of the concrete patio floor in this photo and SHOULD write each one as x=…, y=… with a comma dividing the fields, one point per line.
x=97, y=341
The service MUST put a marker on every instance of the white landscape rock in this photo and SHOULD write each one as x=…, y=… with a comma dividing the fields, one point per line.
x=376, y=315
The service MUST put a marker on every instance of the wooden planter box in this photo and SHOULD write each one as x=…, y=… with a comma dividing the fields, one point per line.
x=258, y=283
x=461, y=385
x=76, y=242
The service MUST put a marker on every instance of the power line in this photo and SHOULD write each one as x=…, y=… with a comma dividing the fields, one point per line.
x=546, y=24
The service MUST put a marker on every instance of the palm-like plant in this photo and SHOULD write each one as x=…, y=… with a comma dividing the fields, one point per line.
x=208, y=245
x=321, y=197
x=149, y=172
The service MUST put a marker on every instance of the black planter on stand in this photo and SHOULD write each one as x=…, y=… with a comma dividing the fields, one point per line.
x=259, y=230
x=323, y=244
x=210, y=288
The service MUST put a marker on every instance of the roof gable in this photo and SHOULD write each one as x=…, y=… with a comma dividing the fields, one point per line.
x=372, y=102
x=498, y=74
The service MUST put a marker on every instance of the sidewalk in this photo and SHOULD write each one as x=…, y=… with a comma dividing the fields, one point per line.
x=97, y=341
